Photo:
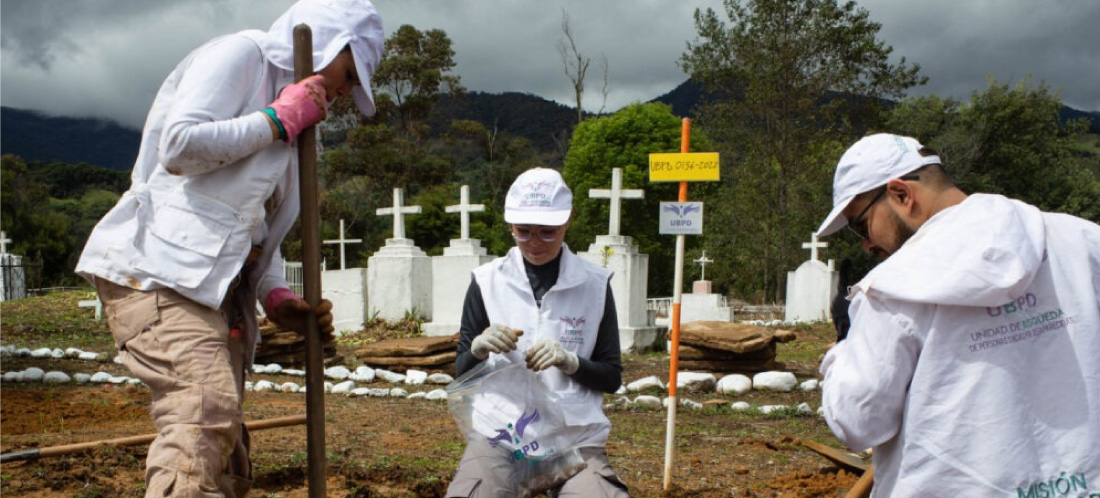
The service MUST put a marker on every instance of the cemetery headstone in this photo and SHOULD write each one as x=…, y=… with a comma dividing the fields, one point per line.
x=399, y=275
x=811, y=287
x=346, y=288
x=342, y=242
x=13, y=276
x=702, y=303
x=451, y=271
x=619, y=254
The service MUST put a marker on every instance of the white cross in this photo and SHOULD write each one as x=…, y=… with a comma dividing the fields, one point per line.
x=465, y=208
x=4, y=240
x=93, y=303
x=399, y=210
x=342, y=241
x=703, y=262
x=813, y=246
x=616, y=194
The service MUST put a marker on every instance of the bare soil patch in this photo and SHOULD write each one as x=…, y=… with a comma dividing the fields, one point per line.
x=400, y=448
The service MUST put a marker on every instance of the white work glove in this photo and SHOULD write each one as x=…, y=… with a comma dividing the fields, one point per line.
x=495, y=339
x=549, y=353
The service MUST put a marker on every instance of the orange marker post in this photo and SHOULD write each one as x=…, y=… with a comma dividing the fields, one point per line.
x=674, y=349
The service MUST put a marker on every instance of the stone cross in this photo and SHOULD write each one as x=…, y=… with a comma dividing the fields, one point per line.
x=814, y=245
x=616, y=194
x=465, y=208
x=93, y=303
x=4, y=240
x=342, y=241
x=703, y=262
x=399, y=210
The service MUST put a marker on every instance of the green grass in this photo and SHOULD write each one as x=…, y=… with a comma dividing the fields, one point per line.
x=54, y=321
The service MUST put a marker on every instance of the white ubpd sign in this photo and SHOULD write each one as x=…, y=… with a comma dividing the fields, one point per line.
x=681, y=218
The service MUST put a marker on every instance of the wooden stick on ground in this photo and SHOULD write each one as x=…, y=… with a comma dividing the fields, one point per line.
x=52, y=451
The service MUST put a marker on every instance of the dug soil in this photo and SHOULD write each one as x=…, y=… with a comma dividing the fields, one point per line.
x=395, y=447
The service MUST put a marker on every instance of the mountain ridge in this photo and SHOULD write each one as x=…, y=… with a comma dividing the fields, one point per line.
x=36, y=137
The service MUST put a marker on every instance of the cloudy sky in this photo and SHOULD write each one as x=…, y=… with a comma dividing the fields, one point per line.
x=106, y=58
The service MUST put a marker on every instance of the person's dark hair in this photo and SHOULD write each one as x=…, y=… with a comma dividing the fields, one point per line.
x=932, y=174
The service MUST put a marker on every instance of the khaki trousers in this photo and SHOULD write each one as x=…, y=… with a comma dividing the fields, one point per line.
x=475, y=479
x=183, y=351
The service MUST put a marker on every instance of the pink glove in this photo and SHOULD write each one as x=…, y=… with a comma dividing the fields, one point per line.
x=285, y=308
x=301, y=105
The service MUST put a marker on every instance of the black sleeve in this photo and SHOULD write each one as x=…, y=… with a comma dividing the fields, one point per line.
x=604, y=370
x=474, y=321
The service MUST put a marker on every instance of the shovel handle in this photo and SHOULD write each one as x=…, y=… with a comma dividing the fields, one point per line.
x=862, y=487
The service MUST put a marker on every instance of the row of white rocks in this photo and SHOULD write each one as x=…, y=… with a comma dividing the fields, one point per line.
x=56, y=353
x=343, y=381
x=651, y=402
x=729, y=384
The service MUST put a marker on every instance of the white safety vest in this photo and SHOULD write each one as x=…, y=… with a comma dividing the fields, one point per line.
x=571, y=313
x=973, y=362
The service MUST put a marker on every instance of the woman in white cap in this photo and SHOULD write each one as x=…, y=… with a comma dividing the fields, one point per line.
x=557, y=312
x=181, y=260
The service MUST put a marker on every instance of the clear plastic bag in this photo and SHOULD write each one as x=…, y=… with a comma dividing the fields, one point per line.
x=506, y=412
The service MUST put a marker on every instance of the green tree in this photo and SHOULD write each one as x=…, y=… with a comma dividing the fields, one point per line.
x=1009, y=140
x=624, y=140
x=40, y=233
x=790, y=82
x=412, y=74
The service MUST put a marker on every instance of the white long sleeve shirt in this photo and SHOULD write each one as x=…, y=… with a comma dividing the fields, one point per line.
x=973, y=363
x=206, y=166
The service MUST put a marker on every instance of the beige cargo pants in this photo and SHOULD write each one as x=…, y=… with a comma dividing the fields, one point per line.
x=183, y=351
x=475, y=478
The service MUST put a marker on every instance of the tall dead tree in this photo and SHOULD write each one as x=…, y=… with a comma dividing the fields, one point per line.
x=576, y=63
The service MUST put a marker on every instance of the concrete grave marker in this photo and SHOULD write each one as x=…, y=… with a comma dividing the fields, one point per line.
x=451, y=271
x=342, y=241
x=399, y=275
x=619, y=254
x=811, y=287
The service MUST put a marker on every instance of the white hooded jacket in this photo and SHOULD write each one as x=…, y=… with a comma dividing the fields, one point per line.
x=209, y=182
x=973, y=363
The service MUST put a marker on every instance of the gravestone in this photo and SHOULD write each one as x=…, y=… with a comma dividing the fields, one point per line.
x=619, y=254
x=13, y=275
x=451, y=271
x=702, y=303
x=342, y=242
x=92, y=303
x=399, y=275
x=811, y=287
x=346, y=288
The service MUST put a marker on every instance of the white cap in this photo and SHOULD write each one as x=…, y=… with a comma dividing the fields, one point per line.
x=335, y=24
x=539, y=196
x=869, y=164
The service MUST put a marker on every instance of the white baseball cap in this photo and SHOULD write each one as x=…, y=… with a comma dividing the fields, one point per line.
x=335, y=24
x=869, y=164
x=539, y=196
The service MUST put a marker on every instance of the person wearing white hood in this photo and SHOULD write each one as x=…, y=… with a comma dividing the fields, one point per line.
x=972, y=367
x=183, y=257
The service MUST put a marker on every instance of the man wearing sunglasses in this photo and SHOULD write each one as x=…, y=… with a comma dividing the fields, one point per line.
x=971, y=366
x=544, y=305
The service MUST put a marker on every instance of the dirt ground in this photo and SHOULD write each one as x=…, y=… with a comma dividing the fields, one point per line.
x=386, y=447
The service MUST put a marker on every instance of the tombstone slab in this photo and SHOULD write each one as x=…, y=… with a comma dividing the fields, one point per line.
x=347, y=290
x=811, y=287
x=629, y=286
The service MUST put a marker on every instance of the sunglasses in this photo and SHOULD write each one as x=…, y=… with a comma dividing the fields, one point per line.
x=545, y=234
x=858, y=225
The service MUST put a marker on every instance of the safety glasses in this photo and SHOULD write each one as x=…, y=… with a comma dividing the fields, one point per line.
x=545, y=234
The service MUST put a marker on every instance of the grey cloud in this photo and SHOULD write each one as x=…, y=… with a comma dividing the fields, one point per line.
x=106, y=58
